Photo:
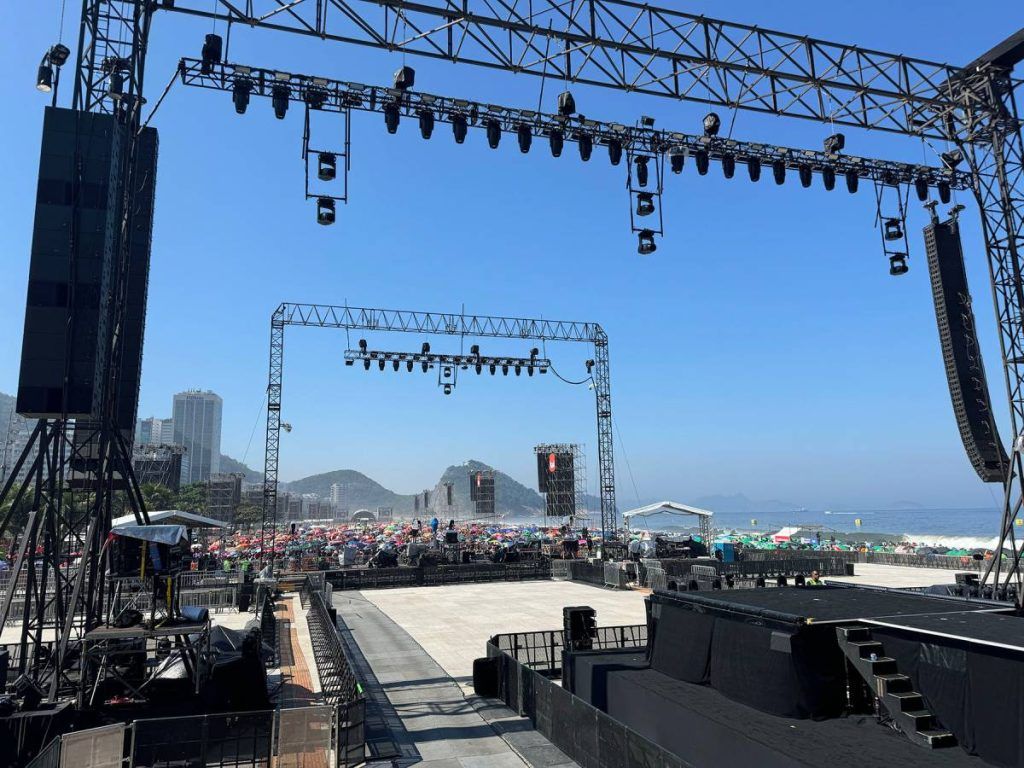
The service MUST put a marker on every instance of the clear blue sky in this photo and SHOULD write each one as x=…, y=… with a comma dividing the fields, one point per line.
x=763, y=349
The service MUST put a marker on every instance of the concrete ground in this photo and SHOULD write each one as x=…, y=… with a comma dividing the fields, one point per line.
x=895, y=576
x=453, y=623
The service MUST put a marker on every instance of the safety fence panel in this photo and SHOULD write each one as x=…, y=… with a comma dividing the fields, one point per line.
x=380, y=578
x=350, y=733
x=584, y=733
x=542, y=651
x=239, y=739
x=305, y=738
x=560, y=569
x=95, y=748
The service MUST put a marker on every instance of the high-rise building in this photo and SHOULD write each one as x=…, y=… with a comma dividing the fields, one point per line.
x=338, y=494
x=197, y=424
x=154, y=431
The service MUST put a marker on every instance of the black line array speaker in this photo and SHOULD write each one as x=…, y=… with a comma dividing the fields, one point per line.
x=556, y=479
x=965, y=371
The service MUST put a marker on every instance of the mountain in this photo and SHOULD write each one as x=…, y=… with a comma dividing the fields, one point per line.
x=512, y=498
x=229, y=465
x=738, y=503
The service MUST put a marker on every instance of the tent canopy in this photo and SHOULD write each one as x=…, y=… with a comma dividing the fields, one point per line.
x=161, y=534
x=665, y=507
x=173, y=517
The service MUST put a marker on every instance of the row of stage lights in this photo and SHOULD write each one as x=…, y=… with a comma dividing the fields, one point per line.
x=466, y=114
x=427, y=360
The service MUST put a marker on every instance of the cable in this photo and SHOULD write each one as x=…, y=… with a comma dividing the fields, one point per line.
x=174, y=77
x=625, y=456
x=254, y=425
x=567, y=381
x=60, y=28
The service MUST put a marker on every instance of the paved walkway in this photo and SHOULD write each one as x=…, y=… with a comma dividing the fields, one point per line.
x=431, y=722
x=298, y=672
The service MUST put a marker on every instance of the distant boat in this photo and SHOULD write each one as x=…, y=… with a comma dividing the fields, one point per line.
x=829, y=512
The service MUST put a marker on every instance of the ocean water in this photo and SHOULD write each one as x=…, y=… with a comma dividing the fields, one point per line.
x=938, y=522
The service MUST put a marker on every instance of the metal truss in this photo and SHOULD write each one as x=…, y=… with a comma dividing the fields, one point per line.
x=428, y=361
x=344, y=96
x=438, y=324
x=631, y=47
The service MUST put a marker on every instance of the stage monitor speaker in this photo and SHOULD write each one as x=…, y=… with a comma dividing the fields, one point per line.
x=965, y=371
x=580, y=626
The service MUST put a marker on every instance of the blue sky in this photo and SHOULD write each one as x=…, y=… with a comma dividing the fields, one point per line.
x=763, y=349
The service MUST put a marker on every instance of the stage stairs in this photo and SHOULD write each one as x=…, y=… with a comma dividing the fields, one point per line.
x=895, y=691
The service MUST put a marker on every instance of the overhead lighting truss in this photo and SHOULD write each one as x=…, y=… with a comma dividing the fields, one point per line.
x=426, y=361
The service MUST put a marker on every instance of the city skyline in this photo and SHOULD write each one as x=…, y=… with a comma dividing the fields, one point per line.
x=762, y=349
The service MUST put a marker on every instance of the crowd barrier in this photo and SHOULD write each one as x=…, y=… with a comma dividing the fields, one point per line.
x=377, y=578
x=908, y=560
x=584, y=733
x=542, y=651
x=303, y=737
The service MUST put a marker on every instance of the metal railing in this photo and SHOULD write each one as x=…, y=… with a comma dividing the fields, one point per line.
x=542, y=651
x=378, y=578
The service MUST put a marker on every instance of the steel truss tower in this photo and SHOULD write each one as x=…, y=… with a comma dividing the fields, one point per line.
x=433, y=324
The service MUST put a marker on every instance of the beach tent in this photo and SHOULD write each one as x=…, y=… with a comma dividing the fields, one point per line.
x=672, y=508
x=173, y=517
x=786, y=534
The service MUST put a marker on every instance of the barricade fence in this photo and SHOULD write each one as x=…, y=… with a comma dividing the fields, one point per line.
x=296, y=737
x=583, y=732
x=377, y=578
x=905, y=559
x=542, y=651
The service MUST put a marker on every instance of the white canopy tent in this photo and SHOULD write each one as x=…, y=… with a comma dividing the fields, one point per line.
x=173, y=517
x=673, y=508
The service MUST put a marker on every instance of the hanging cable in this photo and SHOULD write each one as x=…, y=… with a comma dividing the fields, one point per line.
x=255, y=424
x=60, y=28
x=174, y=77
x=567, y=381
x=625, y=456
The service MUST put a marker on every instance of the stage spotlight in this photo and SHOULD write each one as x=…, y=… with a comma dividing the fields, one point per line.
x=475, y=350
x=728, y=166
x=641, y=169
x=212, y=50
x=644, y=203
x=712, y=123
x=852, y=181
x=615, y=151
x=446, y=372
x=645, y=242
x=408, y=365
x=754, y=168
x=533, y=353
x=529, y=371
x=806, y=175
x=362, y=345
x=478, y=368
x=459, y=128
x=395, y=364
x=350, y=362
x=921, y=188
x=944, y=192
x=447, y=389
x=898, y=264
x=492, y=368
x=58, y=55
x=828, y=177
x=779, y=171
x=380, y=363
x=590, y=366
x=703, y=161
x=677, y=158
x=392, y=117
x=44, y=76
x=504, y=369
x=556, y=138
x=426, y=123
x=325, y=213
x=566, y=104
x=893, y=229
x=315, y=97
x=405, y=78
x=952, y=158
x=327, y=166
x=519, y=369
x=525, y=136
x=586, y=145
x=493, y=128
x=366, y=364
x=240, y=91
x=425, y=349
x=425, y=366
x=835, y=143
x=279, y=100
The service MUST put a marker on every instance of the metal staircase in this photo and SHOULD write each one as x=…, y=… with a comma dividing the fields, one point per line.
x=894, y=690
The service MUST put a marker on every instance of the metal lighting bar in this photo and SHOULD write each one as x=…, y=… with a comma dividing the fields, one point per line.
x=439, y=324
x=632, y=47
x=432, y=359
x=343, y=96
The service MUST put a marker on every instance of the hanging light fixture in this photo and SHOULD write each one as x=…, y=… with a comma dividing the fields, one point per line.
x=728, y=166
x=585, y=142
x=677, y=158
x=645, y=244
x=703, y=161
x=754, y=168
x=566, y=104
x=556, y=138
x=712, y=124
x=392, y=116
x=641, y=169
x=615, y=151
x=806, y=175
x=493, y=128
x=459, y=127
x=327, y=166
x=779, y=171
x=835, y=143
x=644, y=204
x=525, y=136
x=898, y=264
x=944, y=192
x=828, y=177
x=893, y=229
x=426, y=123
x=921, y=188
x=325, y=213
x=240, y=91
x=852, y=181
x=211, y=54
x=279, y=100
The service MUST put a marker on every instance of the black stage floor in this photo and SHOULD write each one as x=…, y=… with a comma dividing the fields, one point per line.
x=705, y=728
x=992, y=629
x=830, y=604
